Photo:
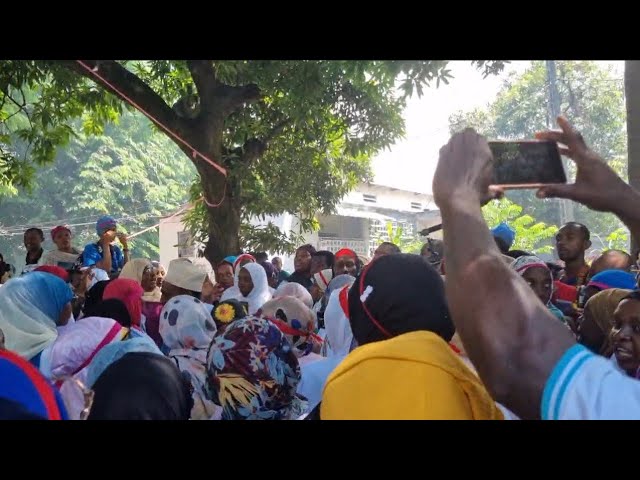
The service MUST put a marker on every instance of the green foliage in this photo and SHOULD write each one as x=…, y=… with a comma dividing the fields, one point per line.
x=531, y=235
x=398, y=237
x=618, y=240
x=128, y=173
x=295, y=136
x=593, y=100
x=269, y=238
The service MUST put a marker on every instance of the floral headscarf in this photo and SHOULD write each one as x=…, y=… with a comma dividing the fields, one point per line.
x=187, y=329
x=253, y=373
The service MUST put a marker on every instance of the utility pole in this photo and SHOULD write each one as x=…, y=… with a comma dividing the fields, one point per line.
x=565, y=207
x=632, y=96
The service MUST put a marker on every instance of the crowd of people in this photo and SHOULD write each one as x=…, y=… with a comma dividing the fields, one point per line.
x=467, y=329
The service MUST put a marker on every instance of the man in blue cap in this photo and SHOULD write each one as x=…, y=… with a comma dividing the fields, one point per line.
x=504, y=236
x=103, y=254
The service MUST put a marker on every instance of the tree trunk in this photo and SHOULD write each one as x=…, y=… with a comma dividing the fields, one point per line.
x=224, y=218
x=632, y=94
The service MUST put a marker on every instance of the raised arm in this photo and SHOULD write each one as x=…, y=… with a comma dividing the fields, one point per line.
x=510, y=336
x=597, y=185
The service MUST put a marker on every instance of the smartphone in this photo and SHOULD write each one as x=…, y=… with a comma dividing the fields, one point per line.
x=526, y=164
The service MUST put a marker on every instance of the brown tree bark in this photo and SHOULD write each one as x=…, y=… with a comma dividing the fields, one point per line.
x=204, y=133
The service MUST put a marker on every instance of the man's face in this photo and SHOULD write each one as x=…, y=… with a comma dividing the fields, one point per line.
x=346, y=264
x=570, y=243
x=277, y=262
x=33, y=241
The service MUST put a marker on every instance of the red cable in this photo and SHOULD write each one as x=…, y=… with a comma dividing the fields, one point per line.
x=196, y=153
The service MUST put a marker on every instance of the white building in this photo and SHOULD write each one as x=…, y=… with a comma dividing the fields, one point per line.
x=358, y=217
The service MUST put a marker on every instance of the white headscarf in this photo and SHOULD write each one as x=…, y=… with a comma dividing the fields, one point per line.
x=233, y=293
x=340, y=338
x=339, y=334
x=260, y=293
x=294, y=290
x=98, y=275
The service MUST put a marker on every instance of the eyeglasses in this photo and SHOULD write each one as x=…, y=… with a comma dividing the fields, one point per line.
x=87, y=393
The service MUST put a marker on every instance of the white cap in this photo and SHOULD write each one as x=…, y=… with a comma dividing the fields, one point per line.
x=184, y=274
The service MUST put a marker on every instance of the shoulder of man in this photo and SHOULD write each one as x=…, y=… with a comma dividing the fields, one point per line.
x=586, y=386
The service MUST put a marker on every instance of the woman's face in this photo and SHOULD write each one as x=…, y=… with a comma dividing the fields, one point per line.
x=302, y=261
x=149, y=279
x=160, y=277
x=63, y=240
x=589, y=333
x=626, y=335
x=224, y=275
x=245, y=284
x=539, y=279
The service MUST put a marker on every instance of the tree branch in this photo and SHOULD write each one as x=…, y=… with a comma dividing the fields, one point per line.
x=254, y=148
x=218, y=99
x=132, y=86
x=230, y=98
x=277, y=130
x=21, y=107
x=204, y=76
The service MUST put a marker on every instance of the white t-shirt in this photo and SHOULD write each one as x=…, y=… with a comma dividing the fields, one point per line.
x=586, y=386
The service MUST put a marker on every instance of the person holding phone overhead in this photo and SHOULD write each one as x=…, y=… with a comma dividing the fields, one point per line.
x=103, y=254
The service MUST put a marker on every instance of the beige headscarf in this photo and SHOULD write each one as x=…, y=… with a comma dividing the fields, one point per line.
x=601, y=307
x=133, y=270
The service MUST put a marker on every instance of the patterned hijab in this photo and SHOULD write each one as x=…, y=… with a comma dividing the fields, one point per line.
x=253, y=373
x=187, y=329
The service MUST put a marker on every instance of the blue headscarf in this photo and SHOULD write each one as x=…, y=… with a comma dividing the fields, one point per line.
x=505, y=233
x=114, y=351
x=231, y=259
x=104, y=223
x=46, y=292
x=25, y=393
x=613, y=279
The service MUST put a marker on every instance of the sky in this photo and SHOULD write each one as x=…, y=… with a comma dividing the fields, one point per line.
x=411, y=162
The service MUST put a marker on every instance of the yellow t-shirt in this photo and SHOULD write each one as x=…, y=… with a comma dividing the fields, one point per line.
x=415, y=376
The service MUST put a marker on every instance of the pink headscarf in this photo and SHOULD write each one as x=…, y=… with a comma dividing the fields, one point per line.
x=130, y=293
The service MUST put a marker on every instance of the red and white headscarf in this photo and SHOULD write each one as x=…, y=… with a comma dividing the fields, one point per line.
x=323, y=278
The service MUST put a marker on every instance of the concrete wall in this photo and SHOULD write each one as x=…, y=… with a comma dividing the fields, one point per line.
x=169, y=229
x=389, y=201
